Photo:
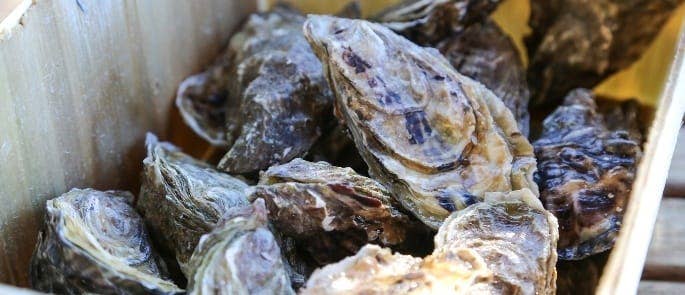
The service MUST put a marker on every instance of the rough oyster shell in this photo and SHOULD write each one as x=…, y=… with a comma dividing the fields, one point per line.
x=578, y=43
x=481, y=249
x=487, y=54
x=332, y=212
x=94, y=241
x=240, y=256
x=429, y=21
x=182, y=199
x=436, y=138
x=265, y=98
x=586, y=173
x=337, y=148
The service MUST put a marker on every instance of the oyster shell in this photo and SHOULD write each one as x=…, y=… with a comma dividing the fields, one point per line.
x=240, y=256
x=436, y=138
x=580, y=276
x=504, y=245
x=182, y=199
x=578, y=43
x=429, y=21
x=487, y=54
x=337, y=148
x=351, y=10
x=94, y=241
x=332, y=212
x=264, y=99
x=586, y=173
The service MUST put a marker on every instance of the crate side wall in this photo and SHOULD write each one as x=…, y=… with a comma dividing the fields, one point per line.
x=81, y=82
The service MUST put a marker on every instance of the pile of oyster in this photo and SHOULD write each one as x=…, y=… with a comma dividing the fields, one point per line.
x=429, y=103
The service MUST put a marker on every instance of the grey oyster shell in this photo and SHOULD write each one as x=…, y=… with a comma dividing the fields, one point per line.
x=504, y=245
x=94, y=241
x=264, y=99
x=437, y=139
x=182, y=198
x=487, y=54
x=332, y=212
x=240, y=256
x=578, y=43
x=585, y=174
x=429, y=21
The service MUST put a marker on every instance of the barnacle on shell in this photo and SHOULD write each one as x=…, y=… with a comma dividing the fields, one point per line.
x=94, y=241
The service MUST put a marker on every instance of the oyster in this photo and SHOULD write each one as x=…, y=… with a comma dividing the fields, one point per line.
x=264, y=99
x=94, y=241
x=332, y=212
x=436, y=138
x=586, y=172
x=240, y=256
x=486, y=54
x=429, y=21
x=182, y=198
x=504, y=245
x=580, y=276
x=578, y=43
x=337, y=148
x=351, y=10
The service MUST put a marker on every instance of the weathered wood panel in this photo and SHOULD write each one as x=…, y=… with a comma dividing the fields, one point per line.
x=80, y=84
x=666, y=256
x=659, y=288
x=675, y=185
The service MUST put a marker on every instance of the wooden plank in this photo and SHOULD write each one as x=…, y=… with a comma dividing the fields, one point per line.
x=666, y=256
x=623, y=270
x=658, y=288
x=675, y=185
x=80, y=84
x=6, y=6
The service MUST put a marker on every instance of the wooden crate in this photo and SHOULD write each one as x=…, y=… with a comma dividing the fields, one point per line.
x=81, y=81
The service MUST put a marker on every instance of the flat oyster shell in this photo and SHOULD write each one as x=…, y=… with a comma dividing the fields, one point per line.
x=586, y=173
x=240, y=256
x=487, y=54
x=331, y=211
x=578, y=43
x=429, y=21
x=264, y=99
x=481, y=249
x=94, y=241
x=436, y=138
x=182, y=198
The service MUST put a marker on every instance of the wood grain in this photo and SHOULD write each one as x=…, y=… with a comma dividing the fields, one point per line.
x=659, y=288
x=6, y=6
x=675, y=185
x=623, y=270
x=80, y=84
x=666, y=256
